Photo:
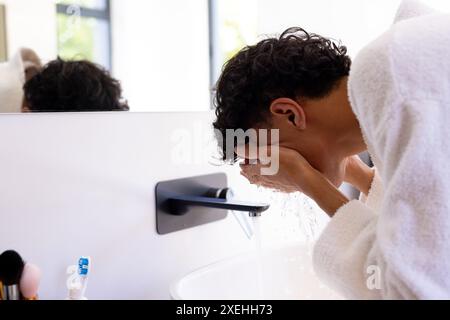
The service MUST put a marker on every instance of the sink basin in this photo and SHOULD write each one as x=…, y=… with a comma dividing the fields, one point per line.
x=282, y=273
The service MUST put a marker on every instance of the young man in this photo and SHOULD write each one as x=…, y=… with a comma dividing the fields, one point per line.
x=73, y=86
x=394, y=101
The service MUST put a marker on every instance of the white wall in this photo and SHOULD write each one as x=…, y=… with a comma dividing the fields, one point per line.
x=31, y=23
x=354, y=22
x=83, y=184
x=161, y=53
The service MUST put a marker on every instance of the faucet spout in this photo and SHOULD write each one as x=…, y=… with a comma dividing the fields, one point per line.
x=179, y=204
x=254, y=214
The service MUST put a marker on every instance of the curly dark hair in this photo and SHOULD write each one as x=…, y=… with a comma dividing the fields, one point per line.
x=73, y=86
x=297, y=64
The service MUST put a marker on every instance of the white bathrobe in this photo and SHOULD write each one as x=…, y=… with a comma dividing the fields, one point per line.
x=396, y=243
x=12, y=79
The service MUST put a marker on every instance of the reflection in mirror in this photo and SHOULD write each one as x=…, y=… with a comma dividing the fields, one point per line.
x=233, y=25
x=84, y=30
x=73, y=86
x=156, y=51
x=165, y=55
x=80, y=55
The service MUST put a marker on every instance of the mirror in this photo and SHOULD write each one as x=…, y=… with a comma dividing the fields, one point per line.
x=165, y=54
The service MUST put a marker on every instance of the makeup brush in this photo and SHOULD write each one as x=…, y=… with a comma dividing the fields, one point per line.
x=29, y=282
x=11, y=267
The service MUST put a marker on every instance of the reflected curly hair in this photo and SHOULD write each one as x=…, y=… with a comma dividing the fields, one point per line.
x=73, y=86
x=297, y=64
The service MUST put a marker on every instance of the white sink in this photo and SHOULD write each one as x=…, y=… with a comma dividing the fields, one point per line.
x=284, y=273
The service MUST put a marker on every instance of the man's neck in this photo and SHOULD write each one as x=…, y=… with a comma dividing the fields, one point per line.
x=345, y=136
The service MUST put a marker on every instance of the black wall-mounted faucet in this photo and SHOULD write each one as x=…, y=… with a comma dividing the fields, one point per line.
x=186, y=203
x=179, y=204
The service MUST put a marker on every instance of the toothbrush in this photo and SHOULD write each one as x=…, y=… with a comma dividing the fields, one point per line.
x=84, y=263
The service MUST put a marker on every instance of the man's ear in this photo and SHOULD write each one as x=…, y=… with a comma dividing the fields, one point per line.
x=290, y=110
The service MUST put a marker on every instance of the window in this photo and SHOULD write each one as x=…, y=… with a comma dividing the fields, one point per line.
x=84, y=30
x=233, y=24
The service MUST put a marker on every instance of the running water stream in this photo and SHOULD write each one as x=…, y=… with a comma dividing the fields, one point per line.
x=258, y=249
x=291, y=217
x=294, y=215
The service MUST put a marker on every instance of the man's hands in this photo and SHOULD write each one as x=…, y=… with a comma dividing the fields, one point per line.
x=296, y=174
x=292, y=175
